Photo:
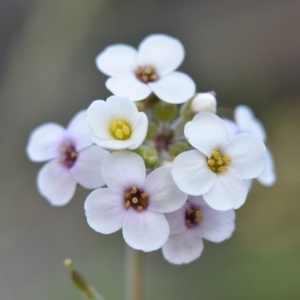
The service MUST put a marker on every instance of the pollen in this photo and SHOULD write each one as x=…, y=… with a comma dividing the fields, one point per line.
x=218, y=163
x=146, y=74
x=193, y=216
x=120, y=129
x=136, y=199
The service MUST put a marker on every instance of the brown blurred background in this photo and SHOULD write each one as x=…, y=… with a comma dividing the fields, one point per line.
x=246, y=51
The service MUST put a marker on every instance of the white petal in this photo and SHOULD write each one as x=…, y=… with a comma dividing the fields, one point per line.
x=207, y=133
x=176, y=220
x=113, y=144
x=99, y=119
x=192, y=174
x=45, y=141
x=174, y=88
x=123, y=170
x=248, y=184
x=56, y=183
x=145, y=230
x=87, y=168
x=183, y=248
x=128, y=86
x=247, y=122
x=231, y=127
x=105, y=210
x=117, y=59
x=139, y=132
x=162, y=52
x=229, y=191
x=79, y=131
x=247, y=153
x=164, y=195
x=268, y=176
x=216, y=226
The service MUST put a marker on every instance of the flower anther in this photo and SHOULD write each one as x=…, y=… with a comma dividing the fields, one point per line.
x=192, y=215
x=136, y=199
x=146, y=74
x=120, y=129
x=217, y=163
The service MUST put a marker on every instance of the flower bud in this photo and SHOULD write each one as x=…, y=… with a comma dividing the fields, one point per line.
x=152, y=130
x=204, y=102
x=178, y=148
x=165, y=112
x=149, y=156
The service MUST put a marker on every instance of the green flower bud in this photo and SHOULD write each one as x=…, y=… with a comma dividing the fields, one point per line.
x=179, y=147
x=149, y=155
x=152, y=130
x=165, y=112
x=186, y=112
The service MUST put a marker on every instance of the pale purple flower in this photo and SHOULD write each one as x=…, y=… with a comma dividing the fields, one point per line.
x=218, y=166
x=191, y=224
x=133, y=201
x=117, y=124
x=151, y=68
x=246, y=122
x=73, y=158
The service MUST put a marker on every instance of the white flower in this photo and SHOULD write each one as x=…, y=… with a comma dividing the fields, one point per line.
x=246, y=122
x=117, y=124
x=190, y=224
x=134, y=201
x=137, y=73
x=204, y=102
x=219, y=165
x=73, y=159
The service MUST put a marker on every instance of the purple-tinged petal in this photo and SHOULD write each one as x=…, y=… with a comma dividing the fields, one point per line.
x=117, y=59
x=79, y=131
x=105, y=210
x=145, y=230
x=229, y=191
x=162, y=52
x=87, y=168
x=176, y=220
x=128, y=86
x=192, y=174
x=268, y=176
x=207, y=133
x=45, y=141
x=123, y=170
x=216, y=226
x=56, y=183
x=174, y=88
x=247, y=153
x=183, y=248
x=164, y=195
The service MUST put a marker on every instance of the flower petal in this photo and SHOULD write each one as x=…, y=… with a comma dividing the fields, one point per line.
x=105, y=210
x=176, y=220
x=127, y=85
x=247, y=153
x=45, y=141
x=117, y=59
x=139, y=132
x=247, y=122
x=231, y=127
x=268, y=176
x=192, y=174
x=183, y=248
x=87, y=168
x=216, y=226
x=56, y=183
x=145, y=230
x=174, y=88
x=229, y=191
x=164, y=195
x=207, y=133
x=79, y=131
x=123, y=170
x=162, y=52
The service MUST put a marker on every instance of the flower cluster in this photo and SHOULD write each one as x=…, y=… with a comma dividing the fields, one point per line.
x=167, y=177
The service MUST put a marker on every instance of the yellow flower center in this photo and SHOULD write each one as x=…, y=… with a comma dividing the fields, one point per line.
x=136, y=199
x=217, y=163
x=120, y=130
x=193, y=216
x=146, y=74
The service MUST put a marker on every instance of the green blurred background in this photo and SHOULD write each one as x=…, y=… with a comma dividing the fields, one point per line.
x=246, y=51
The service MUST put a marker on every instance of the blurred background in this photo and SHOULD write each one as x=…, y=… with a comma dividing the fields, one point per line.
x=246, y=51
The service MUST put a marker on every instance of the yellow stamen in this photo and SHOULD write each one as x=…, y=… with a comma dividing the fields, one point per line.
x=211, y=162
x=217, y=163
x=133, y=190
x=198, y=213
x=119, y=134
x=120, y=129
x=226, y=159
x=220, y=162
x=222, y=169
x=127, y=204
x=126, y=130
x=140, y=208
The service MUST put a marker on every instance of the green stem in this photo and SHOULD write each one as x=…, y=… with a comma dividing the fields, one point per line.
x=133, y=274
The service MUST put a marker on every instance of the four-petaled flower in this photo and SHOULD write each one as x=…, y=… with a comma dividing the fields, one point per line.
x=73, y=158
x=218, y=166
x=135, y=74
x=190, y=224
x=134, y=201
x=117, y=124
